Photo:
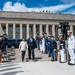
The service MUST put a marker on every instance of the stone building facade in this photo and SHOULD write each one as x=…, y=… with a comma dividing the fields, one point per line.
x=21, y=24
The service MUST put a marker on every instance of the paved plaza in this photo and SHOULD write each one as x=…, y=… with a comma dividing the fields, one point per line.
x=38, y=56
x=43, y=66
x=36, y=68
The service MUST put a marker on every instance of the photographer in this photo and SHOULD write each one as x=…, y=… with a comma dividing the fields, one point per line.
x=62, y=38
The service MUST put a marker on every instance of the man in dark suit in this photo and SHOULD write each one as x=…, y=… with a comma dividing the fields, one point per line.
x=31, y=46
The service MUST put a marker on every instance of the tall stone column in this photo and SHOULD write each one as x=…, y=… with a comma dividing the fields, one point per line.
x=59, y=30
x=47, y=29
x=34, y=30
x=53, y=30
x=14, y=31
x=27, y=31
x=71, y=28
x=20, y=31
x=40, y=29
x=7, y=28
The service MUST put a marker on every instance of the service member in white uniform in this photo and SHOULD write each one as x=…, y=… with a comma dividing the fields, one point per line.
x=62, y=48
x=42, y=45
x=71, y=47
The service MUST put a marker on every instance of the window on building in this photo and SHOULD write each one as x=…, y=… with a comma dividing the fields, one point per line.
x=30, y=30
x=17, y=31
x=68, y=27
x=37, y=29
x=74, y=30
x=50, y=29
x=24, y=31
x=44, y=29
x=10, y=31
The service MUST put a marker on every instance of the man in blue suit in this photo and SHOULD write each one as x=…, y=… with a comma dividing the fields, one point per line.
x=31, y=46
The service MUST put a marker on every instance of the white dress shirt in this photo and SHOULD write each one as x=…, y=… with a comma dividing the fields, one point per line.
x=23, y=45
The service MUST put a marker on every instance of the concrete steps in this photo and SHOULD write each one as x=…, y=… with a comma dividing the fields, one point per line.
x=38, y=56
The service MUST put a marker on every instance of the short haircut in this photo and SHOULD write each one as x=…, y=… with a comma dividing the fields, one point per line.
x=52, y=36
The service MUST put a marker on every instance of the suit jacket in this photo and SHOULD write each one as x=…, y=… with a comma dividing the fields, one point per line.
x=31, y=44
x=54, y=45
x=46, y=40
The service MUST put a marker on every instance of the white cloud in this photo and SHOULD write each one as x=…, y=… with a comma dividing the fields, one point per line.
x=70, y=12
x=73, y=12
x=58, y=8
x=68, y=1
x=16, y=7
x=22, y=8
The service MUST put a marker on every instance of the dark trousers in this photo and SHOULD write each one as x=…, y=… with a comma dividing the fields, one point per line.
x=46, y=48
x=38, y=46
x=23, y=55
x=31, y=52
x=56, y=55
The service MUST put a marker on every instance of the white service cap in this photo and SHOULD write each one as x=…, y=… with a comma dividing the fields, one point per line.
x=69, y=31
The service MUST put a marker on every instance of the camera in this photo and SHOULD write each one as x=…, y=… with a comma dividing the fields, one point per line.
x=64, y=25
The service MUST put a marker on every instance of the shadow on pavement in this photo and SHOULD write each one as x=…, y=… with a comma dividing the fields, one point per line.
x=8, y=65
x=36, y=59
x=9, y=69
x=12, y=73
x=12, y=59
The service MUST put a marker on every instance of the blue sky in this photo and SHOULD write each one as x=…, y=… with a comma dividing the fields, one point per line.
x=54, y=6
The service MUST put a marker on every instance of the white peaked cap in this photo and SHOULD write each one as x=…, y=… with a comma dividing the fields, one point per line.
x=69, y=31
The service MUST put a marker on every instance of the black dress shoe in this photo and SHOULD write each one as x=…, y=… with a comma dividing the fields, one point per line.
x=71, y=64
x=62, y=62
x=30, y=59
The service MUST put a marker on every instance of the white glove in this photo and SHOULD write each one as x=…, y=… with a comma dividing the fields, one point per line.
x=54, y=49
